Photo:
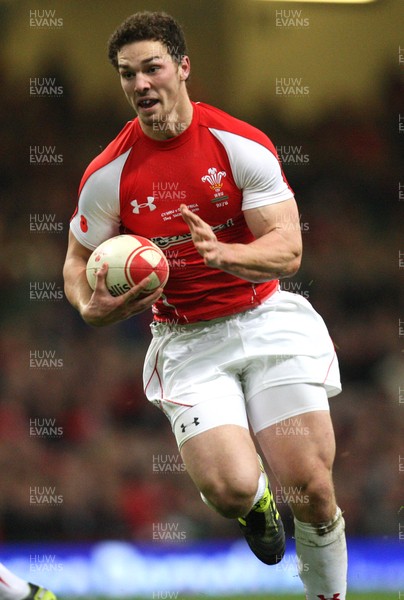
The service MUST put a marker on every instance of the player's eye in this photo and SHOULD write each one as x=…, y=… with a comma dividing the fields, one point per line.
x=126, y=75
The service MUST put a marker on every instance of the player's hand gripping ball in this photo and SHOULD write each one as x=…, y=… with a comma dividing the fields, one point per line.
x=130, y=259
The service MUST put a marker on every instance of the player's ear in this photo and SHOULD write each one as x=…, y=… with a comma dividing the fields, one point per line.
x=184, y=68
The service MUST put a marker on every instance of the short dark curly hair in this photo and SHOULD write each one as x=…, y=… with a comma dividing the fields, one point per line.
x=157, y=26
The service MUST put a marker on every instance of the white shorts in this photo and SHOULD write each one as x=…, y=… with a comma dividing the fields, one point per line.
x=284, y=341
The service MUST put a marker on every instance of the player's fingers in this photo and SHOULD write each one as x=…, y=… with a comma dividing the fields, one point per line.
x=100, y=278
x=204, y=237
x=141, y=303
x=189, y=217
x=134, y=291
x=197, y=225
x=200, y=231
x=184, y=209
x=135, y=295
x=149, y=299
x=188, y=220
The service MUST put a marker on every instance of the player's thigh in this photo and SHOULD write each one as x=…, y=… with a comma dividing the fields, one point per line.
x=215, y=442
x=296, y=432
x=222, y=460
x=300, y=452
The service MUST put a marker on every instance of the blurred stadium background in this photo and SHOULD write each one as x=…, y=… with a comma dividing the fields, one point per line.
x=93, y=494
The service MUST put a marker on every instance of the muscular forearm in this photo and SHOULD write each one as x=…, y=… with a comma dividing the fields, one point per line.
x=275, y=253
x=269, y=257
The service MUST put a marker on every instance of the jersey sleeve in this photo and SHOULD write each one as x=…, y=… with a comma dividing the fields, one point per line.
x=97, y=217
x=256, y=170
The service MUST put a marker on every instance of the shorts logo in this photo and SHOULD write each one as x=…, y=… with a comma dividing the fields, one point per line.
x=335, y=597
x=214, y=179
x=149, y=204
x=194, y=422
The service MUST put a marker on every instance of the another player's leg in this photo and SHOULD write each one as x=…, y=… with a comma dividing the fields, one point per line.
x=39, y=593
x=301, y=453
x=223, y=464
x=13, y=587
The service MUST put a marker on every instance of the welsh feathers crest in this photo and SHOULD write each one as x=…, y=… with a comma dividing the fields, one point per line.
x=214, y=179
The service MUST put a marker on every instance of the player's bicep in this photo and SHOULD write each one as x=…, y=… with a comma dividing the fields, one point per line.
x=282, y=217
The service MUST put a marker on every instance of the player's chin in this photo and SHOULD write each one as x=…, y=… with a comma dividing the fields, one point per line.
x=147, y=119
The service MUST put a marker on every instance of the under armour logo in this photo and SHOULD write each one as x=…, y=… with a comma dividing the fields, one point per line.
x=149, y=204
x=335, y=597
x=194, y=422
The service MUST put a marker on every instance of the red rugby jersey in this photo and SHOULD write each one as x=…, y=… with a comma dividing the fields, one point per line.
x=219, y=166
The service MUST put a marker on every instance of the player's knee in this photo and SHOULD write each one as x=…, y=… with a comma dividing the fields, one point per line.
x=231, y=499
x=314, y=500
x=321, y=493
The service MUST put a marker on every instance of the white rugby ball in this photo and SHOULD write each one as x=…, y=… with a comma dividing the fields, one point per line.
x=130, y=259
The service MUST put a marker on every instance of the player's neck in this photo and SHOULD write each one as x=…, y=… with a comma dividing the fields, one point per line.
x=171, y=125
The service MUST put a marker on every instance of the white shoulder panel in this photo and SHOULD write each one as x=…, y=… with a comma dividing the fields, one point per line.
x=99, y=203
x=256, y=170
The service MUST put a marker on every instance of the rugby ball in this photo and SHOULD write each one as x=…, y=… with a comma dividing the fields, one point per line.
x=130, y=259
